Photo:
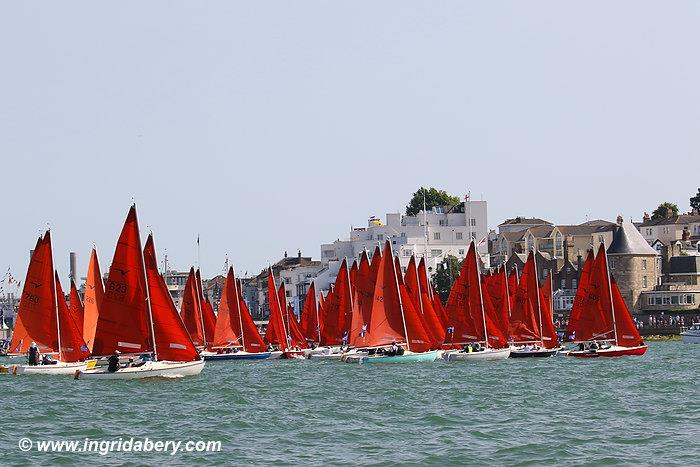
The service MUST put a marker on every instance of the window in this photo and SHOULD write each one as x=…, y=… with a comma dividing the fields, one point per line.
x=545, y=273
x=658, y=300
x=461, y=251
x=649, y=232
x=436, y=236
x=435, y=253
x=458, y=235
x=328, y=253
x=674, y=299
x=287, y=280
x=574, y=283
x=403, y=234
x=442, y=222
x=563, y=284
x=288, y=293
x=407, y=252
x=601, y=238
x=380, y=237
x=472, y=222
x=665, y=230
x=644, y=282
x=666, y=300
x=644, y=264
x=612, y=263
x=650, y=301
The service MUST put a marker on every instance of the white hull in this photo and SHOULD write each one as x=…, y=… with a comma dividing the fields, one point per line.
x=275, y=355
x=60, y=368
x=161, y=369
x=482, y=355
x=690, y=338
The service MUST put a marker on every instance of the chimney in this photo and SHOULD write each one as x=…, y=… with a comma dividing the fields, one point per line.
x=646, y=217
x=579, y=262
x=299, y=254
x=285, y=253
x=686, y=234
x=566, y=250
x=73, y=263
x=31, y=253
x=619, y=219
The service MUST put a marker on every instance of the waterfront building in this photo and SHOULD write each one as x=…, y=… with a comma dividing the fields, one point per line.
x=440, y=232
x=664, y=231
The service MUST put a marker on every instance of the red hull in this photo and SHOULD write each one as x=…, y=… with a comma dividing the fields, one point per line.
x=612, y=352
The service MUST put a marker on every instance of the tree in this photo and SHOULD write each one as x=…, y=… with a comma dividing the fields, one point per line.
x=433, y=197
x=695, y=201
x=446, y=275
x=665, y=210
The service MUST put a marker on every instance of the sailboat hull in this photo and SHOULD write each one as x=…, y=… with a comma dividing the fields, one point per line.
x=407, y=357
x=483, y=355
x=539, y=353
x=160, y=369
x=613, y=351
x=212, y=356
x=58, y=369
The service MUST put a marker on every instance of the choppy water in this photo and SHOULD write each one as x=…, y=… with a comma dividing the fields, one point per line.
x=626, y=411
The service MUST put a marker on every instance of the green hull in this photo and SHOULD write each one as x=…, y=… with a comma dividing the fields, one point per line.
x=405, y=358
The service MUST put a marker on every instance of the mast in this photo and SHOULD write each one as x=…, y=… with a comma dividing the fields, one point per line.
x=238, y=306
x=398, y=290
x=420, y=296
x=612, y=304
x=55, y=295
x=348, y=325
x=505, y=270
x=148, y=292
x=425, y=228
x=318, y=323
x=481, y=296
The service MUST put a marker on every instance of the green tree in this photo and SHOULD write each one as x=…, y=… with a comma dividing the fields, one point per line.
x=446, y=275
x=433, y=197
x=695, y=201
x=665, y=210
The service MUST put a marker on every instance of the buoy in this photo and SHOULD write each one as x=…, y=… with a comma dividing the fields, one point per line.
x=77, y=374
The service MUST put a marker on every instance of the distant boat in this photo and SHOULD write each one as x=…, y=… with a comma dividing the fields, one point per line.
x=600, y=322
x=471, y=320
x=395, y=332
x=692, y=334
x=235, y=337
x=282, y=330
x=138, y=317
x=196, y=312
x=44, y=318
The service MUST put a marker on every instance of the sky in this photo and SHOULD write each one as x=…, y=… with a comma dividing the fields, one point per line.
x=270, y=126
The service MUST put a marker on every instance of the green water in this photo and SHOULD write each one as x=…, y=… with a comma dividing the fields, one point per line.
x=625, y=411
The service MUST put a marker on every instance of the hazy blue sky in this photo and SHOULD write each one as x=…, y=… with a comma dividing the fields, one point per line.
x=272, y=126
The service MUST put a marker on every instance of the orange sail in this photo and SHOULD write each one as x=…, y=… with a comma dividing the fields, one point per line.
x=363, y=294
x=123, y=320
x=76, y=308
x=73, y=348
x=524, y=318
x=191, y=310
x=417, y=336
x=208, y=316
x=290, y=321
x=338, y=309
x=172, y=341
x=580, y=302
x=36, y=317
x=94, y=291
x=439, y=307
x=421, y=302
x=496, y=287
x=309, y=316
x=281, y=330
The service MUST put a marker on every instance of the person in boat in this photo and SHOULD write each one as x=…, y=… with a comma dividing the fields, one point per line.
x=113, y=362
x=344, y=339
x=593, y=346
x=46, y=359
x=33, y=355
x=581, y=346
x=477, y=347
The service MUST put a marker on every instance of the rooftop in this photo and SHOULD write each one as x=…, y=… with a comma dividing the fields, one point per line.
x=628, y=241
x=680, y=219
x=526, y=221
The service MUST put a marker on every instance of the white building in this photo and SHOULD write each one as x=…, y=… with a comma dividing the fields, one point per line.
x=434, y=235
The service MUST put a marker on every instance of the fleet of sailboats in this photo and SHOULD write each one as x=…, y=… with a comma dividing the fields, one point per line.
x=373, y=313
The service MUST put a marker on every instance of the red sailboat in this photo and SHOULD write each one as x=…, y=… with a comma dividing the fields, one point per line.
x=44, y=320
x=416, y=286
x=472, y=333
x=337, y=311
x=309, y=322
x=94, y=291
x=282, y=332
x=600, y=321
x=76, y=308
x=235, y=337
x=138, y=317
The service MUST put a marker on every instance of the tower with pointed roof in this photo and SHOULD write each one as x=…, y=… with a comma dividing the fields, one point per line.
x=634, y=264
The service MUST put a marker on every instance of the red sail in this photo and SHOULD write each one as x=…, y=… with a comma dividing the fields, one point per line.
x=353, y=274
x=550, y=339
x=580, y=299
x=173, y=342
x=281, y=330
x=76, y=308
x=36, y=316
x=496, y=289
x=512, y=286
x=290, y=320
x=525, y=315
x=207, y=311
x=338, y=309
x=191, y=311
x=73, y=348
x=496, y=337
x=94, y=291
x=123, y=320
x=627, y=333
x=464, y=305
x=363, y=293
x=420, y=300
x=253, y=340
x=386, y=322
x=228, y=331
x=439, y=307
x=309, y=315
x=593, y=318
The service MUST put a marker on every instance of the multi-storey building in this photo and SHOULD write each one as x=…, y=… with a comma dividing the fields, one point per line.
x=666, y=230
x=440, y=232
